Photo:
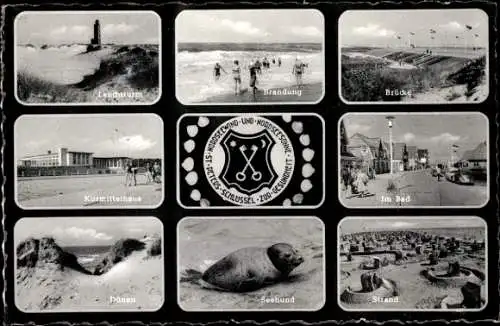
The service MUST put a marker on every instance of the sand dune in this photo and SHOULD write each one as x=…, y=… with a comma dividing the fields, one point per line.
x=135, y=283
x=128, y=73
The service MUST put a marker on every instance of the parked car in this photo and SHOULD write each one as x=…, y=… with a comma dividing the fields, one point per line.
x=459, y=177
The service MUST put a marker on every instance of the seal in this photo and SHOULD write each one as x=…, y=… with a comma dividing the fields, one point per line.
x=248, y=269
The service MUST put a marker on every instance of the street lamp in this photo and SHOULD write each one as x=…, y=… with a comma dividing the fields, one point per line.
x=389, y=124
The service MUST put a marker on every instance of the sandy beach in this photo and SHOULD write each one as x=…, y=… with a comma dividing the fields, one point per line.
x=80, y=191
x=415, y=291
x=203, y=242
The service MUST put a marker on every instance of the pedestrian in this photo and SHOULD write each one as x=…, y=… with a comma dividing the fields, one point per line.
x=346, y=175
x=253, y=77
x=157, y=172
x=361, y=183
x=149, y=173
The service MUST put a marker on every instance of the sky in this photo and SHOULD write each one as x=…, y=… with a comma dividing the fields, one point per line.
x=240, y=26
x=86, y=231
x=367, y=224
x=435, y=132
x=382, y=27
x=131, y=135
x=78, y=27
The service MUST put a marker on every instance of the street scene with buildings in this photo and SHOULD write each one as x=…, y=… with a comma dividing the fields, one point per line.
x=89, y=160
x=437, y=160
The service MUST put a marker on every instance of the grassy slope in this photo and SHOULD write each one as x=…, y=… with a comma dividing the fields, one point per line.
x=364, y=80
x=129, y=69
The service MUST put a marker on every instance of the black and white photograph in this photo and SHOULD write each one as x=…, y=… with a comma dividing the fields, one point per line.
x=250, y=57
x=251, y=263
x=414, y=56
x=414, y=160
x=92, y=264
x=250, y=160
x=412, y=263
x=87, y=57
x=89, y=161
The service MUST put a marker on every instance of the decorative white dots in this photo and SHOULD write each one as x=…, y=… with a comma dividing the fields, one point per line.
x=189, y=145
x=195, y=195
x=305, y=139
x=298, y=199
x=307, y=170
x=308, y=154
x=306, y=185
x=297, y=127
x=188, y=164
x=192, y=131
x=192, y=178
x=203, y=122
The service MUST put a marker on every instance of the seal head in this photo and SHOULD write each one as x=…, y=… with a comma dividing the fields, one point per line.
x=284, y=257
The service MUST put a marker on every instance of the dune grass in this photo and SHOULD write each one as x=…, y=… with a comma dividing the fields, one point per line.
x=32, y=89
x=368, y=80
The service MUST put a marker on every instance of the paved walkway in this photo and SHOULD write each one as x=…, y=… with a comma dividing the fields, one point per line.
x=417, y=188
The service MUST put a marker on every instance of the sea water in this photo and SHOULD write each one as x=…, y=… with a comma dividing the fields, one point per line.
x=195, y=75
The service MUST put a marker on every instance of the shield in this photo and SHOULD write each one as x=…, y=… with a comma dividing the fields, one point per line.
x=248, y=165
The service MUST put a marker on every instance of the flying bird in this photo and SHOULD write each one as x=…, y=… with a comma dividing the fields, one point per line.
x=432, y=31
x=411, y=33
x=469, y=27
x=476, y=35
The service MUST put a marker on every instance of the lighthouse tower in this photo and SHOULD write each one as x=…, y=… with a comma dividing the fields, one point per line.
x=95, y=42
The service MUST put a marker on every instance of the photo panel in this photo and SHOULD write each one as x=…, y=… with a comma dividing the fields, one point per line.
x=404, y=263
x=89, y=264
x=89, y=161
x=439, y=160
x=250, y=160
x=416, y=56
x=250, y=56
x=251, y=263
x=109, y=57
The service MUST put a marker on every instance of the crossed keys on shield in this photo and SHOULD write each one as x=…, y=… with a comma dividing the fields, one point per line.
x=241, y=175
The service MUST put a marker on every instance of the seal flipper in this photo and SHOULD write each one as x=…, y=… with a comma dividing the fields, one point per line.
x=191, y=276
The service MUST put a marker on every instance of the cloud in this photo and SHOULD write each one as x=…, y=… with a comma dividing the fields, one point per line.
x=306, y=31
x=445, y=137
x=126, y=144
x=456, y=26
x=409, y=137
x=64, y=30
x=74, y=233
x=241, y=27
x=373, y=30
x=400, y=224
x=118, y=29
x=355, y=127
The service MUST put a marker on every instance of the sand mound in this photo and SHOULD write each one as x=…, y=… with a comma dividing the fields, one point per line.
x=118, y=252
x=34, y=252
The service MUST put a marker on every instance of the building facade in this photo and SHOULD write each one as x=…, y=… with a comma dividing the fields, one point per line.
x=373, y=152
x=62, y=157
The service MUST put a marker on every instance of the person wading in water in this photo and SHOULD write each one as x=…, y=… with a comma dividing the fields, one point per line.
x=237, y=77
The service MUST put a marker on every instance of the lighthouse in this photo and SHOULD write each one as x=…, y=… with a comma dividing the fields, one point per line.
x=97, y=33
x=95, y=42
